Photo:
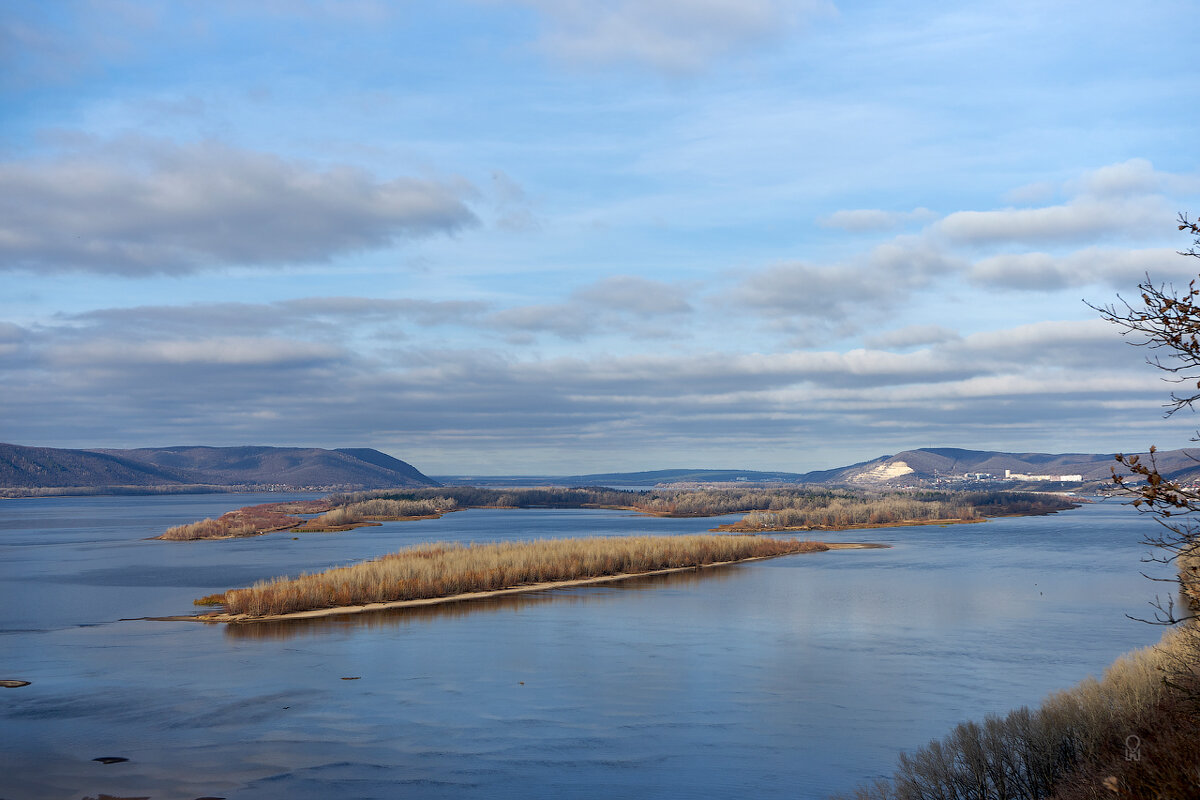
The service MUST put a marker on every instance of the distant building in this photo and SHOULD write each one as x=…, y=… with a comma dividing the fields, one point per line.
x=1009, y=475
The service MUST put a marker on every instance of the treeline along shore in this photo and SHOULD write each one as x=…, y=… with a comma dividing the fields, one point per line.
x=766, y=510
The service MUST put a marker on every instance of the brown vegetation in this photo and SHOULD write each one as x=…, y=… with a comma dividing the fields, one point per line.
x=248, y=521
x=1130, y=734
x=770, y=509
x=363, y=512
x=715, y=502
x=657, y=502
x=873, y=510
x=438, y=570
x=855, y=512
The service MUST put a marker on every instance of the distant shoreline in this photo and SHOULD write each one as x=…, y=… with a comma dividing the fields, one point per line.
x=238, y=619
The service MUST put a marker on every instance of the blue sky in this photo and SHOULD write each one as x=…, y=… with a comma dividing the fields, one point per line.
x=555, y=236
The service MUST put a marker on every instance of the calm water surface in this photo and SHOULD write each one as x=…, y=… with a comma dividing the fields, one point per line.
x=790, y=678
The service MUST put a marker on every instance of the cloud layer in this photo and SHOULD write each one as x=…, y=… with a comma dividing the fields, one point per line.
x=444, y=376
x=141, y=208
x=525, y=235
x=674, y=36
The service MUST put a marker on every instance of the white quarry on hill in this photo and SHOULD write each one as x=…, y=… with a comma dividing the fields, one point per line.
x=888, y=470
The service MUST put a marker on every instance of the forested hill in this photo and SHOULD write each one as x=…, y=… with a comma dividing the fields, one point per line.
x=292, y=467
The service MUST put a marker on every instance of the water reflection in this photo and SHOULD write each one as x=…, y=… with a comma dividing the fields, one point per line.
x=790, y=678
x=395, y=618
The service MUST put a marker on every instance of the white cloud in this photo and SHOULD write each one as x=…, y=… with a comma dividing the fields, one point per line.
x=1122, y=269
x=11, y=338
x=346, y=310
x=230, y=351
x=1119, y=201
x=864, y=220
x=1038, y=192
x=810, y=290
x=636, y=295
x=1003, y=383
x=621, y=303
x=911, y=336
x=818, y=299
x=145, y=207
x=562, y=320
x=1133, y=178
x=674, y=36
x=1082, y=220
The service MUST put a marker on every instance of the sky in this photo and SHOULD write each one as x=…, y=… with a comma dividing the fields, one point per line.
x=559, y=236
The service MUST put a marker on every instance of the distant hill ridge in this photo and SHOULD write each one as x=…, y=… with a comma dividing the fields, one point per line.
x=357, y=468
x=928, y=463
x=920, y=467
x=364, y=468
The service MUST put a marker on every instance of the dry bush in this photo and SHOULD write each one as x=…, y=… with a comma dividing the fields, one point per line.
x=847, y=512
x=248, y=521
x=382, y=509
x=1076, y=745
x=844, y=510
x=1157, y=754
x=439, y=570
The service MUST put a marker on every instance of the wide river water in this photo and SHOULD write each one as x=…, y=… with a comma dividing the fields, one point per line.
x=789, y=678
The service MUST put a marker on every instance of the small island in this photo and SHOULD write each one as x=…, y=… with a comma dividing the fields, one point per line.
x=773, y=509
x=896, y=510
x=441, y=572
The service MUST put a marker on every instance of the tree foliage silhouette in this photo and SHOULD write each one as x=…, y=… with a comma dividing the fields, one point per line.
x=1168, y=323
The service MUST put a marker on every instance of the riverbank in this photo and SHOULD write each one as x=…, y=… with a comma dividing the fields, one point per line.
x=1130, y=733
x=441, y=573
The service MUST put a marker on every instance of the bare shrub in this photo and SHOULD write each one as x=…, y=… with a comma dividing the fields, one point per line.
x=248, y=521
x=1075, y=745
x=382, y=509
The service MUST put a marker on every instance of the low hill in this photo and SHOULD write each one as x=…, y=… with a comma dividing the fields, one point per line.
x=618, y=480
x=931, y=464
x=923, y=467
x=293, y=467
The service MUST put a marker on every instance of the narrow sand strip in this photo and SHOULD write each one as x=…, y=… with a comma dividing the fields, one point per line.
x=458, y=598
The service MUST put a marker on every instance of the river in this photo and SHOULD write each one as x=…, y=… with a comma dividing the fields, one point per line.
x=788, y=678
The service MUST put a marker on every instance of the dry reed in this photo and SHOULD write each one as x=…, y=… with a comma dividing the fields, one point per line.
x=844, y=513
x=247, y=521
x=380, y=510
x=441, y=569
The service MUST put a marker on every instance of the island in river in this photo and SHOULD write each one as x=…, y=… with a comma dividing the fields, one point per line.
x=779, y=509
x=442, y=572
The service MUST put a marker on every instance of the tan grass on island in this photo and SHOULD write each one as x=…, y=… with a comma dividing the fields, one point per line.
x=247, y=521
x=440, y=571
x=376, y=511
x=271, y=517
